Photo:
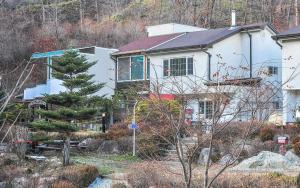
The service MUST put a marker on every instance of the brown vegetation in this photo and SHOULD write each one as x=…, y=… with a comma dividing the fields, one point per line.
x=266, y=133
x=297, y=148
x=148, y=174
x=81, y=175
x=63, y=184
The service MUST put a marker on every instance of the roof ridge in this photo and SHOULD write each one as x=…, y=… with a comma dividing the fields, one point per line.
x=175, y=37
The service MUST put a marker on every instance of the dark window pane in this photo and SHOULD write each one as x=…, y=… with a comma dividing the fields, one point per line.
x=190, y=66
x=201, y=107
x=182, y=70
x=137, y=68
x=209, y=109
x=123, y=68
x=178, y=67
x=272, y=70
x=166, y=67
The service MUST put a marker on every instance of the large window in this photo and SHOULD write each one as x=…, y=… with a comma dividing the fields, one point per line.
x=123, y=68
x=130, y=68
x=206, y=109
x=178, y=67
x=137, y=68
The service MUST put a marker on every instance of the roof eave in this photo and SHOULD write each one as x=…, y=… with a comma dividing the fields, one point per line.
x=127, y=52
x=178, y=49
x=288, y=36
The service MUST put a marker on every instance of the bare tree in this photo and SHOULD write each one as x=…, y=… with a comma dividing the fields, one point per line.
x=231, y=100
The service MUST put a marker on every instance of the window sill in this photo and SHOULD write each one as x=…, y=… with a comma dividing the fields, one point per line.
x=120, y=81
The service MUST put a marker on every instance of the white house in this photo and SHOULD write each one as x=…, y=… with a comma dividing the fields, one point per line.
x=290, y=41
x=197, y=57
x=104, y=71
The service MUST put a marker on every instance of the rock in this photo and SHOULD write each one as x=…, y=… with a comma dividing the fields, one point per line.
x=85, y=142
x=20, y=182
x=292, y=157
x=226, y=159
x=3, y=184
x=37, y=157
x=203, y=157
x=54, y=162
x=109, y=146
x=3, y=147
x=265, y=160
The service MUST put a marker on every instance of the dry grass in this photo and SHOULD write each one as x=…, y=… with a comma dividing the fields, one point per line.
x=63, y=184
x=155, y=174
x=152, y=173
x=253, y=180
x=81, y=175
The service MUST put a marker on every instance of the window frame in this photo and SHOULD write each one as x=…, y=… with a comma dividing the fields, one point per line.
x=186, y=66
x=204, y=113
x=130, y=62
x=272, y=70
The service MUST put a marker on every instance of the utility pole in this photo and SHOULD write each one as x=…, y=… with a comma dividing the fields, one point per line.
x=134, y=126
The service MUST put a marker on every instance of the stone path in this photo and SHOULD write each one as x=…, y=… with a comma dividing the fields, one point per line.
x=187, y=143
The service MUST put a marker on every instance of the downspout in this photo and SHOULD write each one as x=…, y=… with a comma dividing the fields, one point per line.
x=250, y=53
x=209, y=65
x=115, y=59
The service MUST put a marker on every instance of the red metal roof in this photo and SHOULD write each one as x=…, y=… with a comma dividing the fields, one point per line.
x=145, y=43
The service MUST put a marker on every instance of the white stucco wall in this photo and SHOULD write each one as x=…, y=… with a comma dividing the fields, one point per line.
x=179, y=84
x=291, y=78
x=104, y=70
x=266, y=52
x=291, y=64
x=227, y=59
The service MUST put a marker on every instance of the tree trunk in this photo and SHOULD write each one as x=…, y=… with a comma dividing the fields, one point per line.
x=296, y=12
x=66, y=152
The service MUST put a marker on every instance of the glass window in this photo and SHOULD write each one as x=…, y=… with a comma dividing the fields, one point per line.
x=166, y=67
x=209, y=109
x=201, y=107
x=178, y=67
x=276, y=105
x=272, y=71
x=137, y=67
x=190, y=66
x=123, y=68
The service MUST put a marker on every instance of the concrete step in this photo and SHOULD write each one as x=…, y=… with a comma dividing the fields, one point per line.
x=187, y=143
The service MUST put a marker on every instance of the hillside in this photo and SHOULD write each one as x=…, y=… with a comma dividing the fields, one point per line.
x=43, y=25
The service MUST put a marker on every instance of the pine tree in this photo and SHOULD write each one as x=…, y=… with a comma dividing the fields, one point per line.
x=75, y=105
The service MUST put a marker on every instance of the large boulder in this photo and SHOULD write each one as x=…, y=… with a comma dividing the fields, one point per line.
x=85, y=142
x=265, y=160
x=21, y=182
x=226, y=159
x=3, y=147
x=109, y=146
x=292, y=157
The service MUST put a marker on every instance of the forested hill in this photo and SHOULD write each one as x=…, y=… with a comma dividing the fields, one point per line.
x=28, y=26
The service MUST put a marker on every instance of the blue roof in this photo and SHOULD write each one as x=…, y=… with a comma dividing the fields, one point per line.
x=47, y=54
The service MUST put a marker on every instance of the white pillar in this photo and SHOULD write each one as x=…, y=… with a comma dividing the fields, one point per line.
x=289, y=107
